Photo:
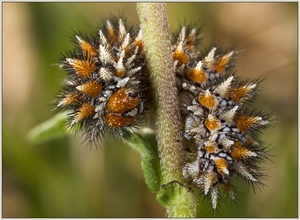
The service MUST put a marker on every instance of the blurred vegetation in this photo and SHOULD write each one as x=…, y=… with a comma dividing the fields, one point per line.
x=65, y=178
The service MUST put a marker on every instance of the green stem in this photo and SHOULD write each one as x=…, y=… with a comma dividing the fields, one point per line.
x=155, y=29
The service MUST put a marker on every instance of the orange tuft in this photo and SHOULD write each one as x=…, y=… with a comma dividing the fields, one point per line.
x=207, y=100
x=244, y=122
x=117, y=121
x=91, y=88
x=69, y=99
x=221, y=64
x=83, y=67
x=180, y=56
x=88, y=49
x=237, y=94
x=85, y=111
x=209, y=146
x=212, y=123
x=122, y=100
x=238, y=151
x=138, y=43
x=120, y=73
x=222, y=166
x=196, y=75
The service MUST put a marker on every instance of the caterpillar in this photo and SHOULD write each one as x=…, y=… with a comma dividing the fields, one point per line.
x=106, y=87
x=219, y=130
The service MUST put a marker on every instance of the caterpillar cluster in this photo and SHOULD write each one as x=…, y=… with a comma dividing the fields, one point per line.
x=106, y=85
x=218, y=128
x=107, y=89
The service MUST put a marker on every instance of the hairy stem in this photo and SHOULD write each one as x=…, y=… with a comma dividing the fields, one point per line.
x=155, y=28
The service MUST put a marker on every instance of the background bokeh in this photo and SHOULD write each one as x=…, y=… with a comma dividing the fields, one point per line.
x=64, y=178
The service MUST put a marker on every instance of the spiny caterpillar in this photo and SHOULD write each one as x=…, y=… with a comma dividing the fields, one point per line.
x=106, y=85
x=219, y=129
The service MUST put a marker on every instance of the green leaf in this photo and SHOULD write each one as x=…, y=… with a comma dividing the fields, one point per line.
x=178, y=201
x=50, y=129
x=138, y=143
x=150, y=160
x=150, y=167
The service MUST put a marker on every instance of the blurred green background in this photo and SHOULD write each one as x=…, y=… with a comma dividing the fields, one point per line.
x=65, y=178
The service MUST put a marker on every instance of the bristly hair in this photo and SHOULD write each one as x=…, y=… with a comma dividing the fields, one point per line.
x=219, y=128
x=106, y=87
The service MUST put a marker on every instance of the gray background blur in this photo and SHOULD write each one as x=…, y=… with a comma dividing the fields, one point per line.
x=63, y=178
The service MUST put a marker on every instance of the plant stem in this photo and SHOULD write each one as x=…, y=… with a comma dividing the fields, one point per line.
x=158, y=47
x=155, y=29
